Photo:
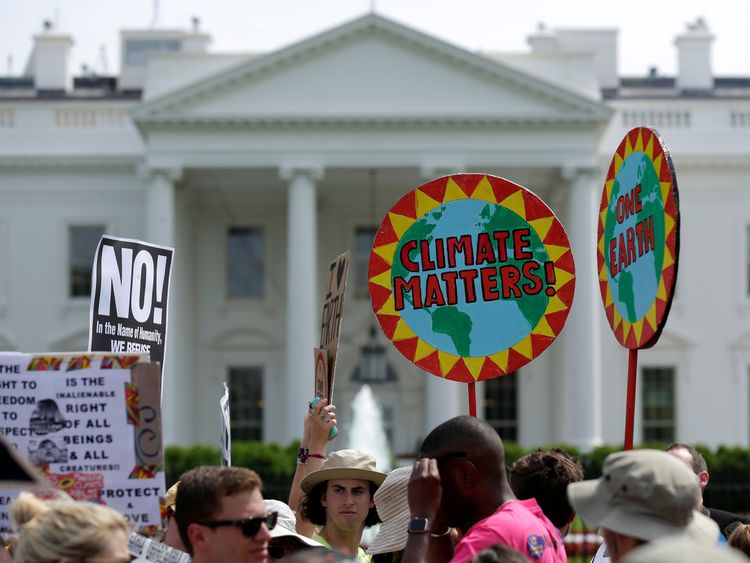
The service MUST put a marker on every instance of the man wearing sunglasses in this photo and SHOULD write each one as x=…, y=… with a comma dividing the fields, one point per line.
x=221, y=515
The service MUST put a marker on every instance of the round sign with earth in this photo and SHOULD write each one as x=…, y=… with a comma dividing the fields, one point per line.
x=638, y=239
x=471, y=276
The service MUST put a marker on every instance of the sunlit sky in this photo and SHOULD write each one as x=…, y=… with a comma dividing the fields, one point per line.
x=647, y=27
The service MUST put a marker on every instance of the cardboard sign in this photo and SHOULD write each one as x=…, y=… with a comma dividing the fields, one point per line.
x=91, y=424
x=322, y=384
x=639, y=239
x=129, y=297
x=471, y=276
x=333, y=312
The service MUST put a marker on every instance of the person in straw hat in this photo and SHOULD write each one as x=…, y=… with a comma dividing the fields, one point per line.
x=340, y=500
x=392, y=504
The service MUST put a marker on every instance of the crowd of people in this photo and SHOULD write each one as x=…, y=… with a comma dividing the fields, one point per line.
x=457, y=503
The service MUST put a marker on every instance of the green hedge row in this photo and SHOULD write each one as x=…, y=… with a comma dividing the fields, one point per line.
x=728, y=488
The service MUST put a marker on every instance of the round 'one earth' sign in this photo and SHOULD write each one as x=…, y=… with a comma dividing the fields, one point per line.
x=471, y=276
x=639, y=238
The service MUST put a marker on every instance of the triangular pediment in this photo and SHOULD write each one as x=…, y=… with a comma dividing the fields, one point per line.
x=371, y=69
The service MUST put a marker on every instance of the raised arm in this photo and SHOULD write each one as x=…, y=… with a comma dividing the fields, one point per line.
x=317, y=425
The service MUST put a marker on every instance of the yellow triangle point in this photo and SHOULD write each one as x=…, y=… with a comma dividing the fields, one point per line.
x=402, y=332
x=603, y=217
x=562, y=277
x=554, y=305
x=649, y=150
x=600, y=245
x=543, y=329
x=483, y=190
x=423, y=350
x=500, y=360
x=618, y=162
x=514, y=202
x=616, y=318
x=447, y=361
x=554, y=251
x=383, y=279
x=524, y=347
x=608, y=185
x=400, y=223
x=603, y=273
x=608, y=300
x=389, y=307
x=639, y=143
x=474, y=365
x=661, y=291
x=638, y=330
x=425, y=203
x=665, y=186
x=628, y=146
x=541, y=226
x=386, y=251
x=453, y=192
x=651, y=316
x=668, y=225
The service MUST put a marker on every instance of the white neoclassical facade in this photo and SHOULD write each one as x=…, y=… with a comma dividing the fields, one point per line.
x=260, y=169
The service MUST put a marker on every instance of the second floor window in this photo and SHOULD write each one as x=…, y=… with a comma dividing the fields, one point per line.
x=83, y=241
x=246, y=268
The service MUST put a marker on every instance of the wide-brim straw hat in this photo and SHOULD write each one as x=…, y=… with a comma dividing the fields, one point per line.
x=392, y=504
x=344, y=464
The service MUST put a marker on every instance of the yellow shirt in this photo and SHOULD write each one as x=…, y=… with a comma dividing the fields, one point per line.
x=361, y=554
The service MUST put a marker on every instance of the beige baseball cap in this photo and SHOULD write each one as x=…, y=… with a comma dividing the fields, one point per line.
x=645, y=494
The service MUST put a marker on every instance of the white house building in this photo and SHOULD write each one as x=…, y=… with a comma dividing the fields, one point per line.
x=260, y=168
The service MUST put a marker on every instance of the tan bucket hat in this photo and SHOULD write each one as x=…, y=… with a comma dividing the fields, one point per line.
x=645, y=494
x=392, y=504
x=344, y=464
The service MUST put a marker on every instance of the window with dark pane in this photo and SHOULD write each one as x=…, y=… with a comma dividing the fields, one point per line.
x=658, y=404
x=246, y=403
x=83, y=241
x=363, y=238
x=246, y=263
x=501, y=405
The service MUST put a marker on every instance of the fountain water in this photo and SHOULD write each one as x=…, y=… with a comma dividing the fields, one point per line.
x=367, y=434
x=367, y=431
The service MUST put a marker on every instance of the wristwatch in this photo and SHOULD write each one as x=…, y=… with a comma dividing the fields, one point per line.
x=419, y=525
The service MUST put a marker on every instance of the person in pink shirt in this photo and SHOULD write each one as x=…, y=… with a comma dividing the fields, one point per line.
x=460, y=482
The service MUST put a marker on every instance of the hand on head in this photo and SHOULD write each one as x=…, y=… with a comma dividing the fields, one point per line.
x=425, y=491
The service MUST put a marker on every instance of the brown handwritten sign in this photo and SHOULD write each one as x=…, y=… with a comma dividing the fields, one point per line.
x=333, y=311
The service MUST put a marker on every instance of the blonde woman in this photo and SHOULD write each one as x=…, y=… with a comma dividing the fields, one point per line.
x=67, y=532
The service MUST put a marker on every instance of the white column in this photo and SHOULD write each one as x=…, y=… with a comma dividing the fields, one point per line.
x=161, y=228
x=444, y=398
x=581, y=401
x=302, y=311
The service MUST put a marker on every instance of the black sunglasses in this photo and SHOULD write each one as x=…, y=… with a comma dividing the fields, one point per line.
x=249, y=526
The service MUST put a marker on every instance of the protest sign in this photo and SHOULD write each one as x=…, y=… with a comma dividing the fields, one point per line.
x=333, y=312
x=146, y=550
x=91, y=424
x=639, y=238
x=129, y=297
x=471, y=276
x=226, y=432
x=321, y=372
x=638, y=243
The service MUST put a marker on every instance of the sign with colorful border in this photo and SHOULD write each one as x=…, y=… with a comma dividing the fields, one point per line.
x=639, y=238
x=471, y=276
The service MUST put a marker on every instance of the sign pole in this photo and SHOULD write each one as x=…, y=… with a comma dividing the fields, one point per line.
x=630, y=407
x=472, y=388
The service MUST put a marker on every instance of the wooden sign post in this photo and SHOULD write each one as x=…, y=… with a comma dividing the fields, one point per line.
x=471, y=277
x=638, y=247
